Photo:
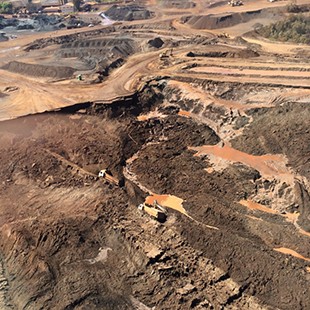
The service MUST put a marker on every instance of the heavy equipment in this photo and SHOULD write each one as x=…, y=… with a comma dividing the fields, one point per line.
x=106, y=175
x=163, y=55
x=166, y=54
x=156, y=210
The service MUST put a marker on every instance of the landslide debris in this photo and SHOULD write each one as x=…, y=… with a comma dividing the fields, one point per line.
x=52, y=251
x=283, y=130
x=71, y=240
x=210, y=200
x=80, y=242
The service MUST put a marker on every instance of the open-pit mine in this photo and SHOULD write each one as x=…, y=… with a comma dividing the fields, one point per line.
x=157, y=159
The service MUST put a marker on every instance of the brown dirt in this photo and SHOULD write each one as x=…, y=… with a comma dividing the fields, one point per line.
x=229, y=20
x=208, y=198
x=178, y=4
x=237, y=232
x=55, y=72
x=288, y=129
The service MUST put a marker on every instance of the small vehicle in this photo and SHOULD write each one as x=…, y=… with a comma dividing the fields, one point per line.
x=235, y=3
x=107, y=176
x=102, y=173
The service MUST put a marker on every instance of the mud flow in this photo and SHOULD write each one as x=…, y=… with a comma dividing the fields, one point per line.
x=158, y=159
x=74, y=223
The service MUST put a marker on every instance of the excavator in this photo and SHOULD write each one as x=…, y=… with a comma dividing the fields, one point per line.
x=156, y=210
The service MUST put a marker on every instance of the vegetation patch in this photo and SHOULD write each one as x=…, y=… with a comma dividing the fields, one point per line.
x=6, y=8
x=295, y=28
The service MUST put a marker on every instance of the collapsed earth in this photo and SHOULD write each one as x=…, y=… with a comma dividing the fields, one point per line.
x=160, y=160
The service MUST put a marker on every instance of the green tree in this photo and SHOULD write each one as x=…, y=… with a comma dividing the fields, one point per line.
x=6, y=8
x=295, y=28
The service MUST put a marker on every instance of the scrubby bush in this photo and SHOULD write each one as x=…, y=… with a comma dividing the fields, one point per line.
x=293, y=8
x=295, y=28
x=6, y=8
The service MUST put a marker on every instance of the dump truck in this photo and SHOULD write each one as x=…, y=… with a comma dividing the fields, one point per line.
x=156, y=210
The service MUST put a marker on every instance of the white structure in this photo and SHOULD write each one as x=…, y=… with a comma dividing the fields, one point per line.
x=102, y=173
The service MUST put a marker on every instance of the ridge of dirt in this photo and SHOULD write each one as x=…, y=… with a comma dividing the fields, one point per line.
x=85, y=214
x=39, y=70
x=178, y=4
x=61, y=39
x=212, y=21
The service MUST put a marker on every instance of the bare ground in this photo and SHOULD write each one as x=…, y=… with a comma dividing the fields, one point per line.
x=234, y=147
